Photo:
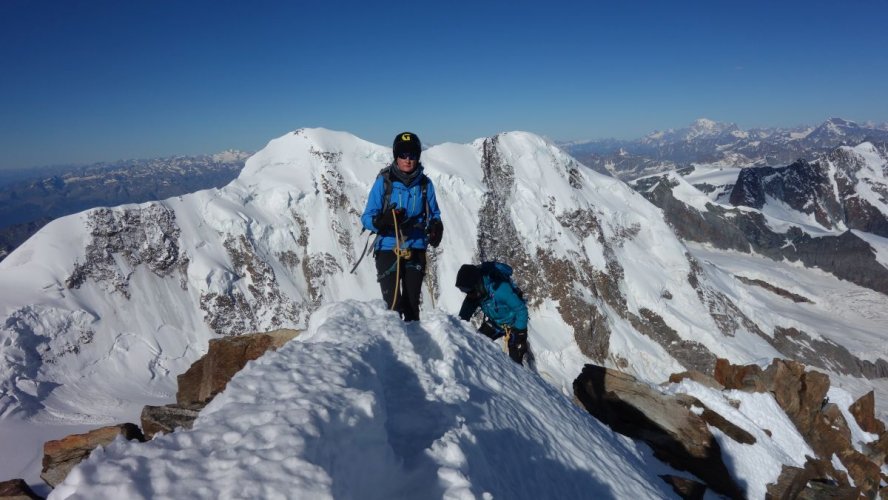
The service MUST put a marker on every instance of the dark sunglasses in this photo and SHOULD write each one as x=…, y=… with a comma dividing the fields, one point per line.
x=408, y=156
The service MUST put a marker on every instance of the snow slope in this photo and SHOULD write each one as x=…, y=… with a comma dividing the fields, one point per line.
x=365, y=406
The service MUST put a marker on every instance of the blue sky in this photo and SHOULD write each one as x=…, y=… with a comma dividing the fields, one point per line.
x=86, y=81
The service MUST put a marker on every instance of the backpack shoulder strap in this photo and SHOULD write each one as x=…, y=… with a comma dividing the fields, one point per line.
x=424, y=184
x=387, y=187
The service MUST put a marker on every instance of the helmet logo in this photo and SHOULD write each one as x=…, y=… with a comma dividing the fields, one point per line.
x=406, y=137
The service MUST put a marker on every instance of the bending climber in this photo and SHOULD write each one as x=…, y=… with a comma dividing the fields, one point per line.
x=490, y=287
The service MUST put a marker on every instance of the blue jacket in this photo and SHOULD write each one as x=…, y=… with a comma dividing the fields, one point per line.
x=410, y=199
x=500, y=304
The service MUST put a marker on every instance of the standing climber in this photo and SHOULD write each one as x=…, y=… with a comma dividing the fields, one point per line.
x=403, y=211
x=490, y=287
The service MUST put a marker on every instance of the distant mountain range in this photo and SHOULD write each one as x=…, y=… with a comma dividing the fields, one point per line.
x=830, y=213
x=709, y=142
x=30, y=199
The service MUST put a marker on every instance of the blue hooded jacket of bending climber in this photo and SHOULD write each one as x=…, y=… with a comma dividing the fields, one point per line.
x=497, y=297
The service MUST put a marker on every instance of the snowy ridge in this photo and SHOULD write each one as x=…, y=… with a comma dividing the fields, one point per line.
x=365, y=406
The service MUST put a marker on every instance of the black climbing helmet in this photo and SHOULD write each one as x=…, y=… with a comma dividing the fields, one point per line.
x=406, y=142
x=468, y=277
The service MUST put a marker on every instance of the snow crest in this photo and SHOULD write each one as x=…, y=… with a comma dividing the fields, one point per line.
x=365, y=406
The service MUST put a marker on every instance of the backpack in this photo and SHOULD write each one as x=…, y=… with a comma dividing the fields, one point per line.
x=500, y=272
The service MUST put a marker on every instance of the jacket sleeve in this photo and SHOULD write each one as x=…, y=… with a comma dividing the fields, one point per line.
x=434, y=211
x=518, y=307
x=468, y=309
x=374, y=205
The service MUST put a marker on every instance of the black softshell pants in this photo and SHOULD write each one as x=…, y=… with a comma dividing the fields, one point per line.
x=410, y=273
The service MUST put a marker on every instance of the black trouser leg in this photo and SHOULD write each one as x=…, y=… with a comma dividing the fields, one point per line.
x=411, y=273
x=385, y=274
x=518, y=347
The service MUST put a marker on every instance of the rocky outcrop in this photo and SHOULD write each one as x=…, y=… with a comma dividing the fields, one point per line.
x=804, y=187
x=208, y=376
x=775, y=289
x=234, y=312
x=226, y=356
x=864, y=412
x=166, y=419
x=685, y=488
x=801, y=393
x=677, y=428
x=60, y=456
x=146, y=236
x=678, y=435
x=17, y=489
x=807, y=483
x=700, y=378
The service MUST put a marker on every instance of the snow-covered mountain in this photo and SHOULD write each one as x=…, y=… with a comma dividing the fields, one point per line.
x=31, y=198
x=830, y=214
x=708, y=142
x=102, y=309
x=702, y=128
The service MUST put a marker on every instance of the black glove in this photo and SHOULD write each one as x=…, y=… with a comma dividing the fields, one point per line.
x=435, y=231
x=490, y=330
x=518, y=344
x=384, y=222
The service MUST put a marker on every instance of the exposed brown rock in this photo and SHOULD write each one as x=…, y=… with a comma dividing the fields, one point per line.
x=60, y=456
x=688, y=489
x=814, y=481
x=226, y=356
x=878, y=451
x=166, y=419
x=17, y=489
x=699, y=377
x=829, y=433
x=864, y=411
x=677, y=435
x=863, y=471
x=771, y=288
x=747, y=378
x=719, y=422
x=801, y=394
